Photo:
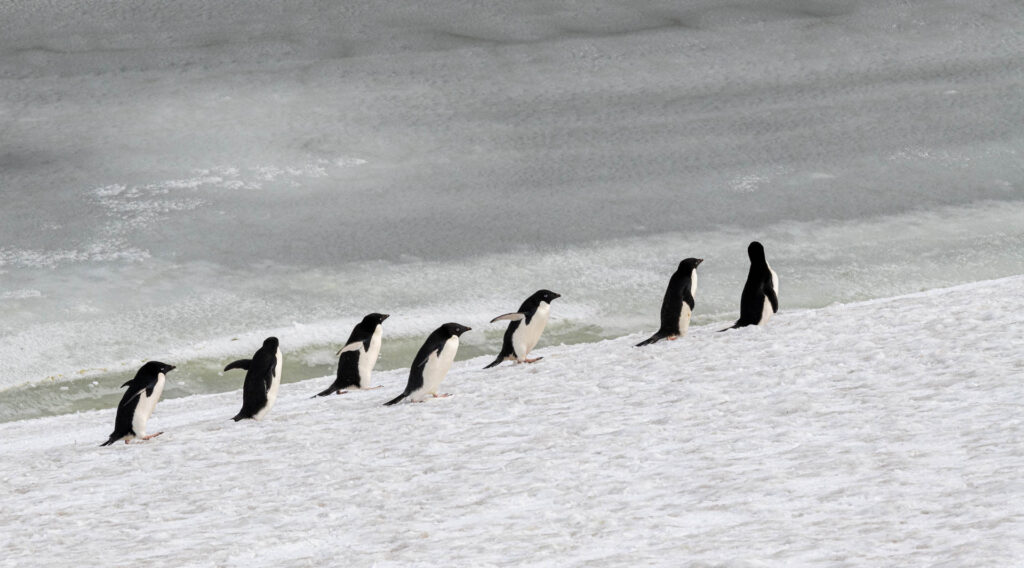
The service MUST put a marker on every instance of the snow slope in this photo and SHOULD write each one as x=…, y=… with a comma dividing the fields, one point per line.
x=886, y=432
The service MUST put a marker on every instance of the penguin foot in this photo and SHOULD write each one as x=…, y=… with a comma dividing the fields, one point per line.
x=342, y=392
x=151, y=436
x=534, y=360
x=375, y=388
x=673, y=337
x=445, y=395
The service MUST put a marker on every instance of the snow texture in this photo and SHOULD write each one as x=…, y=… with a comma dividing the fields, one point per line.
x=881, y=433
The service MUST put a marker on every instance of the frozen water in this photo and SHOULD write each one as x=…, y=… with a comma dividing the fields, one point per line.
x=885, y=432
x=176, y=176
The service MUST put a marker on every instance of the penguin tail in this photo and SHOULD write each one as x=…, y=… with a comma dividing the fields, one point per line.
x=324, y=393
x=733, y=326
x=239, y=416
x=497, y=361
x=652, y=339
x=396, y=399
x=108, y=442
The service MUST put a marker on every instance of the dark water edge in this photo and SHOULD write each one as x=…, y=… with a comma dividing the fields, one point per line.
x=205, y=376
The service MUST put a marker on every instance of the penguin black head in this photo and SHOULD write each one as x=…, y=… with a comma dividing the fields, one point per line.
x=755, y=251
x=155, y=367
x=375, y=318
x=271, y=343
x=690, y=263
x=455, y=329
x=545, y=296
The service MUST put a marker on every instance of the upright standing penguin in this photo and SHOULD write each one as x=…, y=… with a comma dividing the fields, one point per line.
x=138, y=402
x=760, y=298
x=357, y=358
x=525, y=328
x=677, y=306
x=432, y=363
x=262, y=379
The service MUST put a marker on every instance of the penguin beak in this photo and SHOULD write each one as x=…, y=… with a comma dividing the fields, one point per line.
x=384, y=316
x=170, y=368
x=699, y=260
x=556, y=295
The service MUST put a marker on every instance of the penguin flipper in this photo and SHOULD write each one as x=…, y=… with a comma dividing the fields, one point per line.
x=770, y=294
x=514, y=316
x=653, y=339
x=240, y=364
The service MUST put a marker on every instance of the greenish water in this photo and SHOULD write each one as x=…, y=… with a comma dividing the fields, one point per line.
x=205, y=376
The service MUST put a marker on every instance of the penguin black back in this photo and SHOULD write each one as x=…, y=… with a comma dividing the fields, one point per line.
x=435, y=344
x=760, y=293
x=141, y=389
x=678, y=302
x=360, y=344
x=260, y=379
x=524, y=316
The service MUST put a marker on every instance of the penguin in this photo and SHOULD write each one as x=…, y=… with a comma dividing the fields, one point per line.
x=760, y=298
x=262, y=379
x=138, y=402
x=357, y=358
x=432, y=363
x=525, y=328
x=677, y=306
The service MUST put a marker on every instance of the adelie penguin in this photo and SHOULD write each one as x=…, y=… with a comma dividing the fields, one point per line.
x=760, y=298
x=138, y=403
x=432, y=363
x=677, y=307
x=357, y=358
x=525, y=328
x=262, y=380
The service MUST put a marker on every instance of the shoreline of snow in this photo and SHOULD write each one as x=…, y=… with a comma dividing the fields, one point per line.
x=882, y=432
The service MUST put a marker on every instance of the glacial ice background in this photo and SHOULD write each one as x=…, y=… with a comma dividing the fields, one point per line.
x=179, y=181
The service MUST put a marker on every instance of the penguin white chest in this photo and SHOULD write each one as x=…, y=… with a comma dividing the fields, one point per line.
x=767, y=311
x=369, y=358
x=526, y=336
x=144, y=409
x=275, y=384
x=437, y=366
x=685, y=312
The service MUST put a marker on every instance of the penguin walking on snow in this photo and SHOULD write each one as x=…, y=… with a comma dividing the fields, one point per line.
x=138, y=403
x=760, y=298
x=677, y=306
x=262, y=379
x=432, y=363
x=357, y=358
x=525, y=328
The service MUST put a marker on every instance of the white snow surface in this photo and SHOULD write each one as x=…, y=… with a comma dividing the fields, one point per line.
x=882, y=433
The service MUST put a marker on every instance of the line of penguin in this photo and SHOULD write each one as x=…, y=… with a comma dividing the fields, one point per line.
x=432, y=362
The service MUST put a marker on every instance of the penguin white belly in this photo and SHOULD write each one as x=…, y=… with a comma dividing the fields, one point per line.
x=145, y=406
x=767, y=311
x=526, y=337
x=684, y=319
x=435, y=370
x=368, y=359
x=275, y=383
x=686, y=312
